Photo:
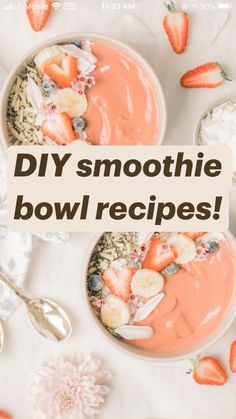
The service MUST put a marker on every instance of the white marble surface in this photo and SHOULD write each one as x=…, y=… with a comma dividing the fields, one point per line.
x=140, y=390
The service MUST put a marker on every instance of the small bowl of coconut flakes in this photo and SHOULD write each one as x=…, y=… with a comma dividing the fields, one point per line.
x=217, y=126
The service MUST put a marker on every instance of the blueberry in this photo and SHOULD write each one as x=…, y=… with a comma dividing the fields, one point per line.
x=49, y=85
x=212, y=247
x=79, y=124
x=95, y=283
x=171, y=269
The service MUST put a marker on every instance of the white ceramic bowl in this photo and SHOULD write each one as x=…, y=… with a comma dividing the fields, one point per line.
x=226, y=322
x=196, y=137
x=81, y=36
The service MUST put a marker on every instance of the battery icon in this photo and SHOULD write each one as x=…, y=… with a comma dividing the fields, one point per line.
x=224, y=6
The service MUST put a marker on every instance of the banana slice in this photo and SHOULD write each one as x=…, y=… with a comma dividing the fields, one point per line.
x=114, y=313
x=147, y=283
x=184, y=247
x=74, y=104
x=49, y=55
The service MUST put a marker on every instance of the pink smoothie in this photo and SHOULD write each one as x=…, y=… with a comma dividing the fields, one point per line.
x=197, y=297
x=123, y=105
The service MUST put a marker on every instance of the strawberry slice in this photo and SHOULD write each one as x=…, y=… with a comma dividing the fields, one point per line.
x=194, y=235
x=208, y=75
x=63, y=74
x=38, y=12
x=59, y=129
x=119, y=281
x=176, y=25
x=4, y=415
x=208, y=371
x=232, y=357
x=159, y=255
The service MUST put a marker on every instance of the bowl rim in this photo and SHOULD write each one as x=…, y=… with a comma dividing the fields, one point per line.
x=203, y=114
x=66, y=38
x=137, y=352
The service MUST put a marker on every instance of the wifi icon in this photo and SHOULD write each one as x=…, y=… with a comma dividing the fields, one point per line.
x=56, y=5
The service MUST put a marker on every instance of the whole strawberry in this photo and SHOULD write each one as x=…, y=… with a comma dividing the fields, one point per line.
x=176, y=25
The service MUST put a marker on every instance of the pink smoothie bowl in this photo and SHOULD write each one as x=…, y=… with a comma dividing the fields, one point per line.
x=126, y=105
x=176, y=355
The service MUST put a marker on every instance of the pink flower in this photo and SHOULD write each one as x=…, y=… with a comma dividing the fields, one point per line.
x=134, y=303
x=90, y=81
x=70, y=388
x=48, y=109
x=82, y=82
x=95, y=301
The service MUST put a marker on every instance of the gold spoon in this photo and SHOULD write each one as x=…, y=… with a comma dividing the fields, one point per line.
x=47, y=318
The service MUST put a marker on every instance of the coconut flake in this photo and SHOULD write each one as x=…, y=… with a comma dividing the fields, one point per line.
x=135, y=332
x=39, y=120
x=144, y=238
x=72, y=49
x=87, y=45
x=86, y=60
x=34, y=94
x=144, y=311
x=118, y=263
x=85, y=67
